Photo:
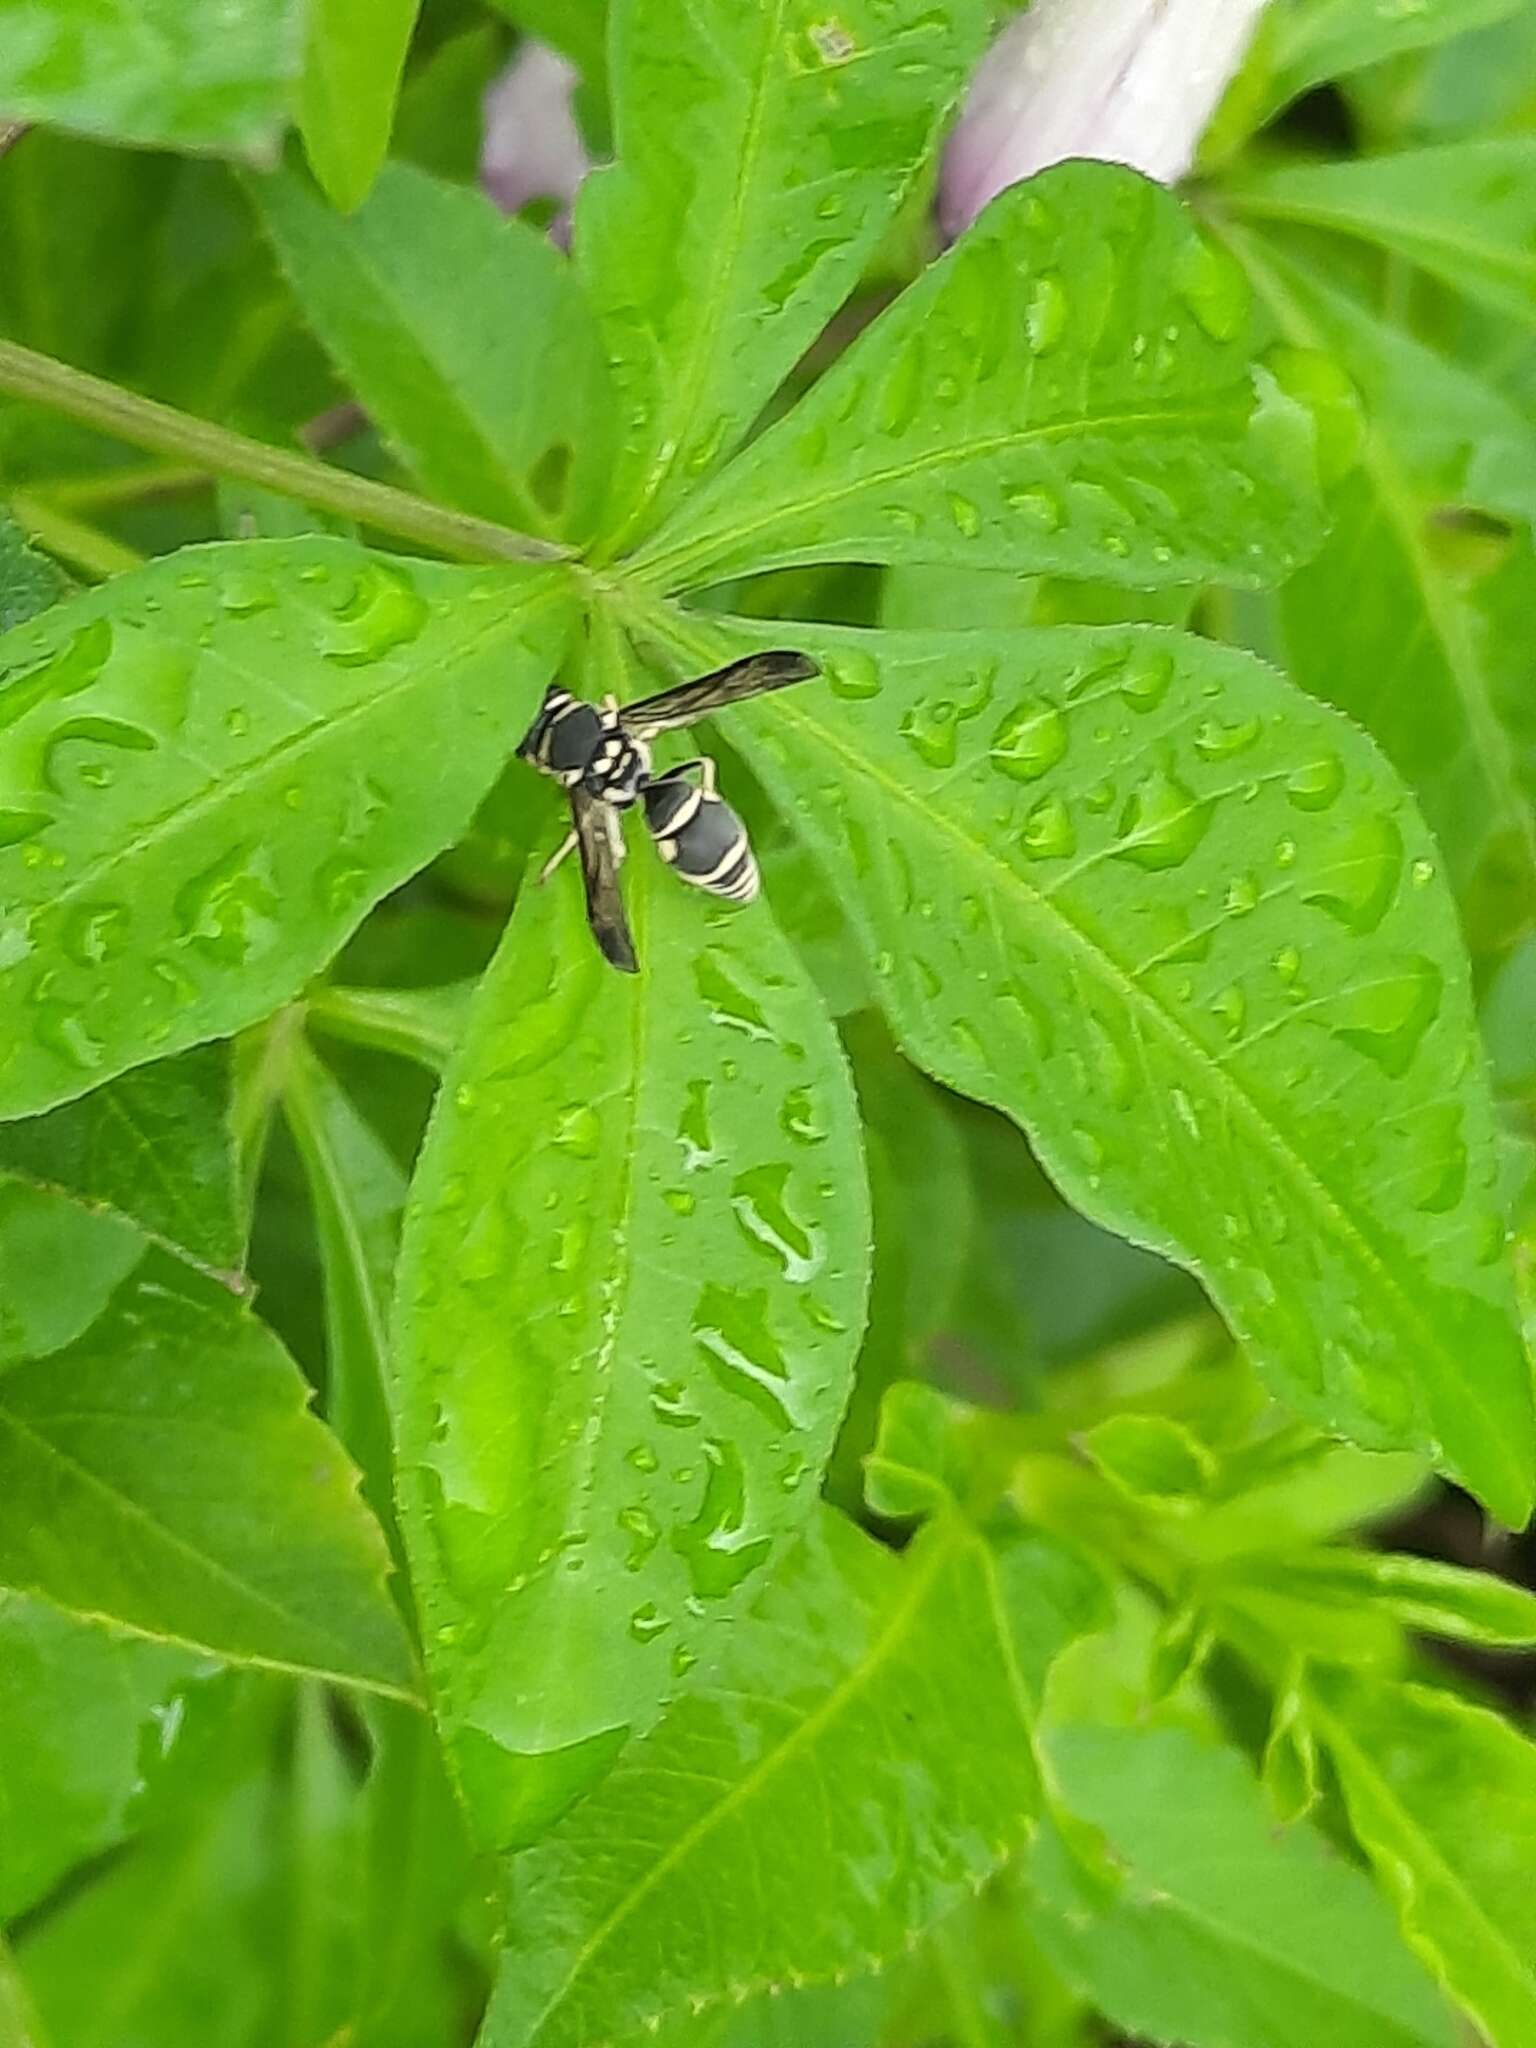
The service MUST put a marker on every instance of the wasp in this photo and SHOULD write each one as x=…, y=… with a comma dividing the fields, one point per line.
x=600, y=754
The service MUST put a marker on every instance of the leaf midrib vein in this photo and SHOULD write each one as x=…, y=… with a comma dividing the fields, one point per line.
x=654, y=565
x=1225, y=1082
x=942, y=1553
x=169, y=823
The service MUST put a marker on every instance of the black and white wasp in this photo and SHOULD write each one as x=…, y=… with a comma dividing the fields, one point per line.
x=601, y=756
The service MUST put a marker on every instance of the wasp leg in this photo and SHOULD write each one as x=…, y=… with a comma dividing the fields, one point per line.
x=704, y=765
x=566, y=847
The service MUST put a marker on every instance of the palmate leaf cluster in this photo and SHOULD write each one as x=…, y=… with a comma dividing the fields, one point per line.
x=822, y=1492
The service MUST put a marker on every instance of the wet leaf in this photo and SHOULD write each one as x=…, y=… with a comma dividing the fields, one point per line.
x=865, y=1755
x=1186, y=927
x=1222, y=1930
x=761, y=156
x=211, y=769
x=163, y=1472
x=620, y=1367
x=496, y=398
x=1070, y=390
x=1442, y=1795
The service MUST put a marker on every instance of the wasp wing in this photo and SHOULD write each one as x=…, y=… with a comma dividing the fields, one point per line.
x=752, y=676
x=600, y=843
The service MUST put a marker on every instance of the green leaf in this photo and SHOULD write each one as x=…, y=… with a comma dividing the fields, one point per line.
x=1379, y=625
x=78, y=1705
x=211, y=769
x=29, y=582
x=1420, y=1592
x=1069, y=390
x=172, y=1943
x=1442, y=1795
x=163, y=1472
x=1465, y=211
x=1151, y=1458
x=44, y=1236
x=18, y=2022
x=354, y=56
x=866, y=1758
x=577, y=28
x=1305, y=42
x=1222, y=1930
x=497, y=397
x=154, y=1146
x=358, y=1195
x=150, y=71
x=1111, y=883
x=621, y=1367
x=761, y=156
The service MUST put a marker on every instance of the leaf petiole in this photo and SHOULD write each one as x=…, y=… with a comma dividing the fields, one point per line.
x=145, y=423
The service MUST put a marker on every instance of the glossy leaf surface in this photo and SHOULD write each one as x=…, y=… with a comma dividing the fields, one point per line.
x=497, y=398
x=354, y=54
x=1070, y=389
x=1442, y=1794
x=620, y=1368
x=163, y=1471
x=154, y=1146
x=1466, y=211
x=78, y=1705
x=737, y=221
x=149, y=71
x=212, y=768
x=1110, y=884
x=1222, y=1929
x=865, y=1757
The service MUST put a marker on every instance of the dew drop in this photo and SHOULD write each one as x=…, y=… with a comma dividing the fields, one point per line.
x=1315, y=785
x=1162, y=823
x=1230, y=1009
x=647, y=1622
x=95, y=932
x=853, y=676
x=759, y=1203
x=966, y=515
x=932, y=732
x=1040, y=509
x=1049, y=833
x=578, y=1131
x=801, y=1117
x=1386, y=1019
x=1145, y=683
x=1045, y=313
x=1218, y=739
x=643, y=1531
x=1030, y=741
x=1364, y=868
x=1243, y=896
x=1211, y=283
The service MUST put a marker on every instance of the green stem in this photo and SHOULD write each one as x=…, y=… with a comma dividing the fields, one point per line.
x=144, y=423
x=404, y=1021
x=125, y=486
x=83, y=547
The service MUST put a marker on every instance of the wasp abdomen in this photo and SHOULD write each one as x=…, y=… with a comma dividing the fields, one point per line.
x=701, y=838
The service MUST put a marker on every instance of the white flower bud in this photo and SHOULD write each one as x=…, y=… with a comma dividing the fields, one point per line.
x=1125, y=81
